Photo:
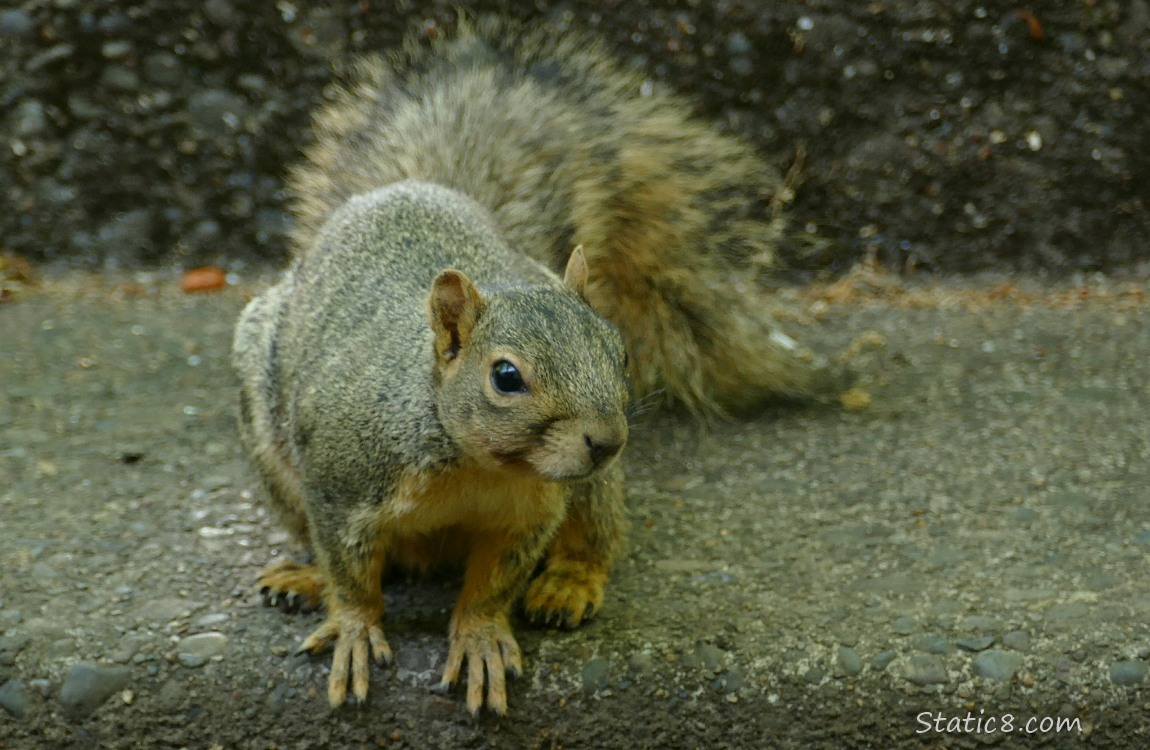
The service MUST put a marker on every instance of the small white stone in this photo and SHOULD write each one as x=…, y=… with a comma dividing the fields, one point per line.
x=203, y=645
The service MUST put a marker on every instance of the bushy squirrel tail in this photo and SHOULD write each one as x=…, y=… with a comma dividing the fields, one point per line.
x=679, y=230
x=704, y=339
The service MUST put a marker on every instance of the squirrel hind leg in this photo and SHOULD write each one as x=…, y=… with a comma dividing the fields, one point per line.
x=292, y=586
x=566, y=594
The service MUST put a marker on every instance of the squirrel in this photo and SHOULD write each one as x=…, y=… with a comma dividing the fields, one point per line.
x=423, y=386
x=402, y=414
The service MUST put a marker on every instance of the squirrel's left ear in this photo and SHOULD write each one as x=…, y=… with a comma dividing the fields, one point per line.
x=454, y=307
x=575, y=277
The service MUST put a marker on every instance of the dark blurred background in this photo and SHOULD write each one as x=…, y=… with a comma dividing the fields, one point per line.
x=932, y=135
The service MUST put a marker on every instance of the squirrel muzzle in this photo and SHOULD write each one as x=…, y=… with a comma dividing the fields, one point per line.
x=578, y=448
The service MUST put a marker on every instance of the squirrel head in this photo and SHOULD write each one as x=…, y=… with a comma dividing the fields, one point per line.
x=529, y=377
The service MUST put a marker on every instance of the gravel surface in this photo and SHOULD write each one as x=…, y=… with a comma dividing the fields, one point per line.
x=936, y=135
x=974, y=541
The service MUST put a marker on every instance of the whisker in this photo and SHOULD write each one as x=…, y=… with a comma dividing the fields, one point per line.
x=640, y=407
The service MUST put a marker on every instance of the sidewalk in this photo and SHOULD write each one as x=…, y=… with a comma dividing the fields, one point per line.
x=972, y=542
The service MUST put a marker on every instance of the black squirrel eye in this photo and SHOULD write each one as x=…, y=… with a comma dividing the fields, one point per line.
x=626, y=360
x=505, y=378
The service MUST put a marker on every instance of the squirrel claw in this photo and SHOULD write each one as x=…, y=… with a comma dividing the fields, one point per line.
x=292, y=603
x=358, y=642
x=292, y=587
x=564, y=595
x=556, y=619
x=492, y=655
x=320, y=638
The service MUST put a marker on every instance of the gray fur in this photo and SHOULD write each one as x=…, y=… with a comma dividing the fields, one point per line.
x=337, y=360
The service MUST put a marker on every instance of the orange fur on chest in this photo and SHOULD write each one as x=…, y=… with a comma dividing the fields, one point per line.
x=432, y=517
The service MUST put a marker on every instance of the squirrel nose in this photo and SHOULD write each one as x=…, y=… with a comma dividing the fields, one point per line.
x=602, y=449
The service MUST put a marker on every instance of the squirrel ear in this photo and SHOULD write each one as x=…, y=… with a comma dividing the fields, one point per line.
x=575, y=277
x=454, y=306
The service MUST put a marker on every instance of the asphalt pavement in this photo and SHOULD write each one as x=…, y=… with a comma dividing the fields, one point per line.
x=956, y=555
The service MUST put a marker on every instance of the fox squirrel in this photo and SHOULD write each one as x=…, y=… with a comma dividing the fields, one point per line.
x=423, y=387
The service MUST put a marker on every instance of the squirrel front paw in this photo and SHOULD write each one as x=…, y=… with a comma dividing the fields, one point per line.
x=488, y=646
x=565, y=594
x=292, y=586
x=357, y=635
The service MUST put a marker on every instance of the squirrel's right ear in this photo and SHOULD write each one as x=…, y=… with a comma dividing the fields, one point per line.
x=454, y=307
x=575, y=276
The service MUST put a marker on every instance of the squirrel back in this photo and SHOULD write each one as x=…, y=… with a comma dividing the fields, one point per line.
x=564, y=148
